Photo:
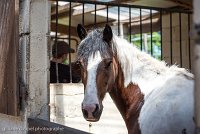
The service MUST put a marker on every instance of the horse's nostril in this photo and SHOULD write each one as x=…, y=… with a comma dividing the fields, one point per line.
x=85, y=113
x=96, y=111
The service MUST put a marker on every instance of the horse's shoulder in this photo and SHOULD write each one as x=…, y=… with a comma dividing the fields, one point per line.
x=169, y=109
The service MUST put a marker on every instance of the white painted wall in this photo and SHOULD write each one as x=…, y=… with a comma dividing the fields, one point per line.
x=65, y=105
x=39, y=60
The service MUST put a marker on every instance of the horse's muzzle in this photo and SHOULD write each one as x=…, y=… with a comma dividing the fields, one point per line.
x=91, y=112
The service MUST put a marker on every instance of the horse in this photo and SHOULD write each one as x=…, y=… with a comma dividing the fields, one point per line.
x=152, y=97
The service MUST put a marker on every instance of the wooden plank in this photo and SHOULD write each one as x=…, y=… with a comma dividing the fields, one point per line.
x=6, y=23
x=184, y=4
x=39, y=126
x=63, y=29
x=88, y=10
x=64, y=10
x=3, y=98
x=11, y=79
x=8, y=77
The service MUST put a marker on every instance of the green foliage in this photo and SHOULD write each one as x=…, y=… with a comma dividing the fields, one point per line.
x=156, y=45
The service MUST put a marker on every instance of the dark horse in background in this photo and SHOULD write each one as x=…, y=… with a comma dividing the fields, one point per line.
x=151, y=97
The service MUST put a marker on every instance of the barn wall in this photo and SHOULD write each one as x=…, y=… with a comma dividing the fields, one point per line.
x=8, y=59
x=176, y=39
x=35, y=57
x=33, y=66
x=38, y=69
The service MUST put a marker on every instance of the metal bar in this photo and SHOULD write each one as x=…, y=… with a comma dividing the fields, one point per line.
x=66, y=38
x=95, y=14
x=126, y=5
x=151, y=32
x=107, y=14
x=161, y=34
x=83, y=14
x=180, y=30
x=56, y=35
x=70, y=67
x=118, y=20
x=189, y=45
x=130, y=23
x=140, y=28
x=171, y=49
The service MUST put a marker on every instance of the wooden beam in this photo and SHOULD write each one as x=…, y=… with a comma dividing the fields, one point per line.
x=187, y=5
x=9, y=97
x=64, y=10
x=77, y=12
x=99, y=7
x=63, y=29
x=89, y=10
x=7, y=11
x=101, y=24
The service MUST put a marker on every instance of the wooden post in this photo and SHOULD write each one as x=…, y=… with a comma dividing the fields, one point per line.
x=7, y=8
x=9, y=93
x=196, y=20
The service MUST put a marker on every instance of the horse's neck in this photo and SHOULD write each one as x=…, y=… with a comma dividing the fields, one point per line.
x=148, y=73
x=138, y=67
x=128, y=100
x=138, y=74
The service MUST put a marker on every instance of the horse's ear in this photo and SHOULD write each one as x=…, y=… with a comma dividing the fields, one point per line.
x=107, y=33
x=82, y=33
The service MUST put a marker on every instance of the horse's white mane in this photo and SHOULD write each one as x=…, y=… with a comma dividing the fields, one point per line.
x=139, y=66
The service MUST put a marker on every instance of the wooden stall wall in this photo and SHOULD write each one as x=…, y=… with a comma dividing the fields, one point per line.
x=9, y=97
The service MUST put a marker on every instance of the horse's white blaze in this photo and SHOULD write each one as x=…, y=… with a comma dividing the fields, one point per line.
x=90, y=96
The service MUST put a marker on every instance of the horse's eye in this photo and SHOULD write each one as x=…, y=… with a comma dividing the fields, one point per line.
x=78, y=63
x=107, y=64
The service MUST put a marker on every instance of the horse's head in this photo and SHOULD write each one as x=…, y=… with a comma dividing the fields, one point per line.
x=95, y=56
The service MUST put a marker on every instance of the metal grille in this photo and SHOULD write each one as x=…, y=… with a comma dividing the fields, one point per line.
x=140, y=22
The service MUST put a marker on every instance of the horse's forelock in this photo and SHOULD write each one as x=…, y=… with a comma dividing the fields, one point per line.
x=91, y=44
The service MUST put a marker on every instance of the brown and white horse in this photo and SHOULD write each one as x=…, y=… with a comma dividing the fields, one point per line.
x=151, y=97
